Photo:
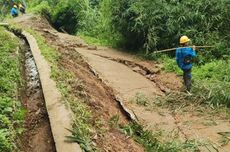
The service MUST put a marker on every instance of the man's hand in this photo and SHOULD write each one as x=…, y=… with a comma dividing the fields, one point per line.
x=194, y=47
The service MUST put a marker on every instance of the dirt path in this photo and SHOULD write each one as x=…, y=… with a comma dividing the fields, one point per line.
x=120, y=72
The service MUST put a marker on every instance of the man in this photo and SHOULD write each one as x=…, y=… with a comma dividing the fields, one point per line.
x=14, y=11
x=22, y=8
x=184, y=56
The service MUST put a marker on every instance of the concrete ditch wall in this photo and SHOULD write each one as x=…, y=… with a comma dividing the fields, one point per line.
x=59, y=115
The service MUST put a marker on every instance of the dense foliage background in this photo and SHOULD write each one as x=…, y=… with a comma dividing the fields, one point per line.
x=11, y=110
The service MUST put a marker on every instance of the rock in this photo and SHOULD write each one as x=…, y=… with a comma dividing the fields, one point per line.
x=152, y=77
x=143, y=72
x=38, y=111
x=46, y=30
x=148, y=76
x=155, y=71
x=84, y=45
x=136, y=69
x=95, y=137
x=139, y=70
x=92, y=48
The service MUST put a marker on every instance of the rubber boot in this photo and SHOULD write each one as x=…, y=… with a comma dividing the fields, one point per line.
x=188, y=79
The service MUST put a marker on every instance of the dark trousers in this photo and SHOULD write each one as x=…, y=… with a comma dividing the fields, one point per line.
x=14, y=15
x=22, y=10
x=187, y=79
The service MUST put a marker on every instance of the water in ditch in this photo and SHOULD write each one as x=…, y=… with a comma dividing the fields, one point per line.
x=37, y=136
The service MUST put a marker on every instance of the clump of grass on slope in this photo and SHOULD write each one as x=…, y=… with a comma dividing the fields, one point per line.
x=212, y=83
x=151, y=143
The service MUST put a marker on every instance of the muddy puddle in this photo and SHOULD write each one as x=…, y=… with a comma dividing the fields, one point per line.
x=37, y=136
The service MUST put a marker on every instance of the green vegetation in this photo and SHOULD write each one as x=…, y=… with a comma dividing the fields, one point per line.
x=148, y=25
x=159, y=24
x=89, y=18
x=211, y=82
x=150, y=140
x=141, y=99
x=11, y=110
x=151, y=143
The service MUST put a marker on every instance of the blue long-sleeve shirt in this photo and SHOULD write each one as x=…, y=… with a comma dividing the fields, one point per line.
x=181, y=54
x=14, y=11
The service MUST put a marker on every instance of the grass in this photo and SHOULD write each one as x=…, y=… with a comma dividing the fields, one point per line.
x=83, y=129
x=141, y=99
x=151, y=143
x=211, y=81
x=11, y=111
x=225, y=138
x=159, y=140
x=180, y=102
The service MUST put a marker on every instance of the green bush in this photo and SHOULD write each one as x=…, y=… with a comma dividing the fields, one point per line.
x=214, y=93
x=11, y=111
x=149, y=25
x=90, y=19
x=43, y=8
x=218, y=70
x=158, y=24
x=5, y=144
x=66, y=15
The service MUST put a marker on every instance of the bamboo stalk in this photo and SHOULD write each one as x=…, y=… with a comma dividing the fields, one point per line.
x=172, y=49
x=4, y=24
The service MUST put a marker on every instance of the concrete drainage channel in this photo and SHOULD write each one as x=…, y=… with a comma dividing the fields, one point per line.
x=37, y=122
x=47, y=118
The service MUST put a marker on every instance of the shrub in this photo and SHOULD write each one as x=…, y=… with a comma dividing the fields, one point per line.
x=43, y=8
x=158, y=24
x=11, y=111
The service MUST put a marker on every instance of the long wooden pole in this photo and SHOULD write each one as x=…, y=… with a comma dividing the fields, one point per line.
x=172, y=49
x=4, y=24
